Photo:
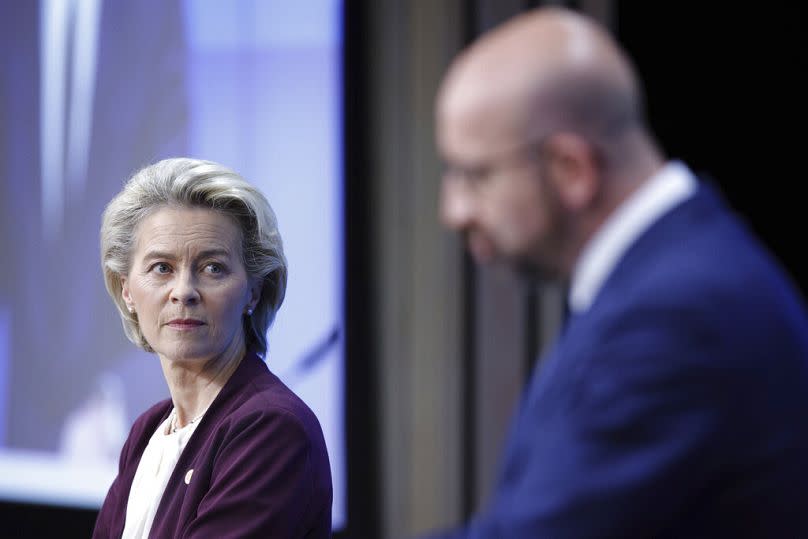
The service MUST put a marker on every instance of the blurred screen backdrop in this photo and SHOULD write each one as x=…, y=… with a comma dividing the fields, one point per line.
x=92, y=90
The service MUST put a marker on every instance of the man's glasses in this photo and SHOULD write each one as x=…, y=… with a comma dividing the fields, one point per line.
x=477, y=176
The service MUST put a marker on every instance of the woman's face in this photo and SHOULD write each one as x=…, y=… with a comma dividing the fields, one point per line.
x=188, y=285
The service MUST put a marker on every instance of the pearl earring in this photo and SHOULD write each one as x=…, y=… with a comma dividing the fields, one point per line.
x=131, y=309
x=249, y=312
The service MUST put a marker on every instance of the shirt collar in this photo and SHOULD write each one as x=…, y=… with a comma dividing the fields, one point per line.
x=671, y=185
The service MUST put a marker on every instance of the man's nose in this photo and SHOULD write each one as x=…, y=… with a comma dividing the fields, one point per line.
x=456, y=204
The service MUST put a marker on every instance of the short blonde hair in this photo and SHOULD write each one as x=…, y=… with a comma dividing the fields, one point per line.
x=198, y=184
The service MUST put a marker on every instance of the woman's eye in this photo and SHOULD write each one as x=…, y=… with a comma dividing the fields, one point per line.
x=161, y=268
x=214, y=268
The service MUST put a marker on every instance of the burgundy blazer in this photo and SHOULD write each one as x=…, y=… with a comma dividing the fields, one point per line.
x=259, y=461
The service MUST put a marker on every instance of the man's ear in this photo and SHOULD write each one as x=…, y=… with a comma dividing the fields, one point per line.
x=574, y=169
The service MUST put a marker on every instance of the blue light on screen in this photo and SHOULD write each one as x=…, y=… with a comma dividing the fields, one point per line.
x=5, y=331
x=93, y=90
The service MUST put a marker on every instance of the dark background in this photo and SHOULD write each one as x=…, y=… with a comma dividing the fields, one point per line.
x=724, y=95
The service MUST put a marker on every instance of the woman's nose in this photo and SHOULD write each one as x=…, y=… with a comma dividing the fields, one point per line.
x=185, y=290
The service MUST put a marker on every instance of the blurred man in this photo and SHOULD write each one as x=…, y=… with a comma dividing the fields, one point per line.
x=675, y=401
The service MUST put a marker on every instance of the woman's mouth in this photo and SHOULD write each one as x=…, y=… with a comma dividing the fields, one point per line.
x=185, y=323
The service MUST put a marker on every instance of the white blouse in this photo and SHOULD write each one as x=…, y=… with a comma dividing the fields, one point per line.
x=155, y=468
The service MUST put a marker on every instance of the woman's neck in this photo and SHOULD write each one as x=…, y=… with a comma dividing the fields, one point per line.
x=194, y=383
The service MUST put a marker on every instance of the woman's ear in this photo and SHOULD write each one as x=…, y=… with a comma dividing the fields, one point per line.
x=256, y=286
x=126, y=296
x=573, y=168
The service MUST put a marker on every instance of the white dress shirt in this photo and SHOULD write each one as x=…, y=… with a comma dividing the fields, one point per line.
x=153, y=472
x=671, y=185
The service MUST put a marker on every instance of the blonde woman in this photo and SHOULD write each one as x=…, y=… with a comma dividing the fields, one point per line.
x=194, y=262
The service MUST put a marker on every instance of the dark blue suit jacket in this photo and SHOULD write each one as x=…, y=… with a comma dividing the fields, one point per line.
x=675, y=406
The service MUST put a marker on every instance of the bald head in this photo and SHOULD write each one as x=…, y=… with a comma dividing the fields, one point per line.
x=545, y=71
x=540, y=125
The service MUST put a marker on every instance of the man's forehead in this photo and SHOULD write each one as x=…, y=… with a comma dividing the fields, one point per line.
x=479, y=119
x=479, y=83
